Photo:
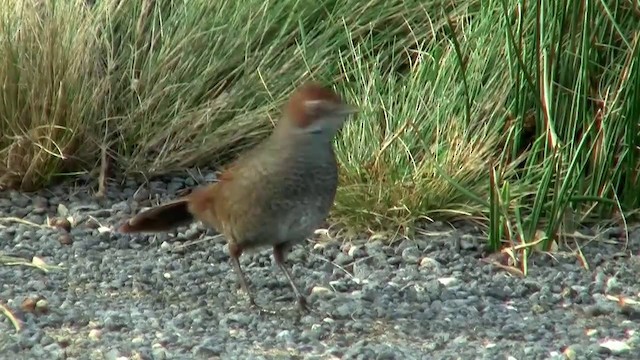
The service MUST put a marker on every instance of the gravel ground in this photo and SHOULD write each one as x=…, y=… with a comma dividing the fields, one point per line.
x=171, y=296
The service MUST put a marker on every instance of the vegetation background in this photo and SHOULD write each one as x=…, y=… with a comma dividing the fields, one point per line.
x=521, y=115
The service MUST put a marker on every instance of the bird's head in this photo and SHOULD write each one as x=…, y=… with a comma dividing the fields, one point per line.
x=315, y=109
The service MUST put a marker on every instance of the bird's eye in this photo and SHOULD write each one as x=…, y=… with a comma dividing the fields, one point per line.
x=315, y=106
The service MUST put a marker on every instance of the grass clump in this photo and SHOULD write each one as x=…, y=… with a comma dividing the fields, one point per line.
x=522, y=116
x=47, y=110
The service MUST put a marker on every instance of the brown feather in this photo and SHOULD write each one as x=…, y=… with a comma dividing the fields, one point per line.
x=201, y=202
x=160, y=218
x=295, y=107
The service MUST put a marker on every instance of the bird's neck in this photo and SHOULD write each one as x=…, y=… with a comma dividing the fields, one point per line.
x=289, y=133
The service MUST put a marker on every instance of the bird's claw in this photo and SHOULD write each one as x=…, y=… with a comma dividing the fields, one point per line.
x=261, y=309
x=303, y=306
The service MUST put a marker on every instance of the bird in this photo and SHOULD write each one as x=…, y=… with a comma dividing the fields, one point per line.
x=275, y=194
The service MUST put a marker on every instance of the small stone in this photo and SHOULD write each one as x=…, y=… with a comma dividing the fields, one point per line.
x=100, y=213
x=112, y=354
x=284, y=335
x=39, y=211
x=356, y=252
x=321, y=291
x=192, y=234
x=94, y=334
x=28, y=305
x=137, y=355
x=158, y=351
x=42, y=306
x=313, y=334
x=238, y=318
x=537, y=309
x=5, y=203
x=91, y=224
x=386, y=355
x=141, y=195
x=343, y=311
x=374, y=246
x=37, y=219
x=319, y=246
x=174, y=186
x=209, y=348
x=615, y=347
x=343, y=259
x=20, y=211
x=411, y=252
x=599, y=310
x=83, y=208
x=570, y=353
x=448, y=281
x=612, y=285
x=428, y=263
x=395, y=260
x=40, y=205
x=18, y=199
x=600, y=280
x=61, y=210
x=54, y=351
x=468, y=242
x=65, y=239
x=61, y=223
x=122, y=206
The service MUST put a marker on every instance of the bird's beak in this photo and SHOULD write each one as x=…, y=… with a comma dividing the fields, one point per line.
x=349, y=109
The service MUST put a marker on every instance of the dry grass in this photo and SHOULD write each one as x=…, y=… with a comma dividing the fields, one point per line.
x=450, y=93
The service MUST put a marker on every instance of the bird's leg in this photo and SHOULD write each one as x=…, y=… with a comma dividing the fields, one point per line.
x=235, y=251
x=279, y=255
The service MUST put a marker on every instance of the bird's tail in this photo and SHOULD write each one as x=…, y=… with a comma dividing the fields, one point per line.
x=160, y=218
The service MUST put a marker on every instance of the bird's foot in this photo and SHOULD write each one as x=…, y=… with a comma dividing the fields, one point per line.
x=304, y=309
x=303, y=305
x=261, y=310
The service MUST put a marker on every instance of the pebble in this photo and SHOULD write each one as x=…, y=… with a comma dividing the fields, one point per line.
x=343, y=259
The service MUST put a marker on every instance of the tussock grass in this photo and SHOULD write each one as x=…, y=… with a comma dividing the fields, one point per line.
x=517, y=115
x=47, y=115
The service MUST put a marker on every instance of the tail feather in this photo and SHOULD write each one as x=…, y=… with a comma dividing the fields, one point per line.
x=160, y=218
